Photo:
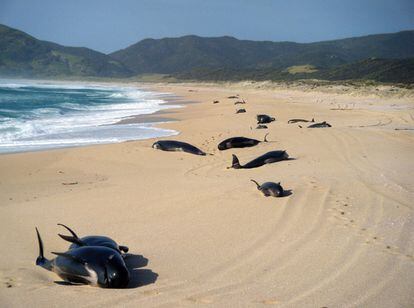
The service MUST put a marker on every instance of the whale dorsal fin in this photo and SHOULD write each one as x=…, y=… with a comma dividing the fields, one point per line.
x=69, y=256
x=235, y=163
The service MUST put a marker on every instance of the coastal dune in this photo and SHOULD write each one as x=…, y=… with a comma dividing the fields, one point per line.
x=202, y=234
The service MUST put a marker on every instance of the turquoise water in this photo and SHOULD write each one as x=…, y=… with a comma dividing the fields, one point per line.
x=39, y=115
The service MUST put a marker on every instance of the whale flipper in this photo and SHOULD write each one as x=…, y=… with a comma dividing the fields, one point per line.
x=69, y=256
x=124, y=249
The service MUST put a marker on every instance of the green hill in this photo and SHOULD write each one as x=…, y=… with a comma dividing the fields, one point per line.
x=177, y=55
x=381, y=57
x=382, y=70
x=25, y=56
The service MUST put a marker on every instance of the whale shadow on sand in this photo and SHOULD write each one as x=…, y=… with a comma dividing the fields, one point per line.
x=139, y=277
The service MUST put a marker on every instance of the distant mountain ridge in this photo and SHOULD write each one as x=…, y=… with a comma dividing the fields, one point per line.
x=177, y=55
x=381, y=57
x=25, y=56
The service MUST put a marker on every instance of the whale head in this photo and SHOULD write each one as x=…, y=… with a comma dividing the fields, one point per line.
x=116, y=273
x=156, y=145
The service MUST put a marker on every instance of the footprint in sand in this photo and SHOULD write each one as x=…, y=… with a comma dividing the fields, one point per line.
x=368, y=236
x=151, y=292
x=9, y=282
x=199, y=300
x=374, y=240
x=269, y=302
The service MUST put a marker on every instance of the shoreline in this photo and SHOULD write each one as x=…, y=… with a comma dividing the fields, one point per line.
x=170, y=102
x=202, y=233
x=158, y=116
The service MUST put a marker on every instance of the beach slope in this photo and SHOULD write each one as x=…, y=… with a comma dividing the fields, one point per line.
x=202, y=234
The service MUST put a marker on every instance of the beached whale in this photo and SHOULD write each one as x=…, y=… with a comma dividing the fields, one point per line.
x=268, y=158
x=91, y=240
x=241, y=110
x=264, y=118
x=239, y=142
x=320, y=125
x=291, y=121
x=177, y=146
x=93, y=265
x=270, y=189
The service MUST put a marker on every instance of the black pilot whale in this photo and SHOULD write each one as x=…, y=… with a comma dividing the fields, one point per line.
x=92, y=240
x=319, y=125
x=97, y=266
x=270, y=189
x=264, y=119
x=267, y=158
x=239, y=142
x=300, y=120
x=177, y=146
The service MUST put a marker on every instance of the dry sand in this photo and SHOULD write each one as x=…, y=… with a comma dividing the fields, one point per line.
x=203, y=234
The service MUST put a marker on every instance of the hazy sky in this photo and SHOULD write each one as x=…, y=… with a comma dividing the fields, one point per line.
x=108, y=25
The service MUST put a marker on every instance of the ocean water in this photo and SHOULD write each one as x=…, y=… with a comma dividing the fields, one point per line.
x=39, y=115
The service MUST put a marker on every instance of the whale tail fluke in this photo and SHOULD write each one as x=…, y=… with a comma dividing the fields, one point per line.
x=73, y=239
x=257, y=184
x=264, y=139
x=69, y=229
x=235, y=163
x=41, y=260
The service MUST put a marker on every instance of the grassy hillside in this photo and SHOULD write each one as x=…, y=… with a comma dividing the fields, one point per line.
x=24, y=56
x=383, y=70
x=177, y=55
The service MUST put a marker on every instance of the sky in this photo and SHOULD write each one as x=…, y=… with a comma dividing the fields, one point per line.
x=107, y=26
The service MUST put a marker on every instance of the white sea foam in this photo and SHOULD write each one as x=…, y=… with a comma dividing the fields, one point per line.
x=73, y=124
x=6, y=83
x=102, y=135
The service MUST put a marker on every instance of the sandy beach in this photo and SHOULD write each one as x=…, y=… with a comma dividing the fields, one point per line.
x=203, y=235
